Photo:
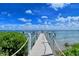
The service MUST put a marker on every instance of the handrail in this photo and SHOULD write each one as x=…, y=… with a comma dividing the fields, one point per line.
x=59, y=48
x=20, y=48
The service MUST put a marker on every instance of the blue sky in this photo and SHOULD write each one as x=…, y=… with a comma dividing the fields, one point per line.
x=55, y=16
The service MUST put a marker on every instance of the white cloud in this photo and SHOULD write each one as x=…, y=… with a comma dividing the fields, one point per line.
x=62, y=19
x=29, y=12
x=49, y=23
x=70, y=22
x=5, y=13
x=8, y=14
x=24, y=20
x=45, y=22
x=56, y=6
x=44, y=17
x=58, y=26
x=39, y=20
x=69, y=19
x=29, y=23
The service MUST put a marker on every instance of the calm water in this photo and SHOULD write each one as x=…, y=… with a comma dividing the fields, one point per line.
x=69, y=36
x=65, y=36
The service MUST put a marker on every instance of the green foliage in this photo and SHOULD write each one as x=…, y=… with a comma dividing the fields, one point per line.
x=10, y=42
x=76, y=45
x=73, y=51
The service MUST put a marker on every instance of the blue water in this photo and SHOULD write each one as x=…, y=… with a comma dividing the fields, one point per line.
x=69, y=36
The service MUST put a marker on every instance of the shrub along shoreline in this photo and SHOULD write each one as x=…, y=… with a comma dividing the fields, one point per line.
x=10, y=42
x=71, y=50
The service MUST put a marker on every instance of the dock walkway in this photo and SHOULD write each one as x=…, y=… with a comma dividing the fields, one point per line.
x=41, y=47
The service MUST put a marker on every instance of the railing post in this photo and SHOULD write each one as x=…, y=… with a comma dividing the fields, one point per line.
x=54, y=47
x=54, y=36
x=29, y=44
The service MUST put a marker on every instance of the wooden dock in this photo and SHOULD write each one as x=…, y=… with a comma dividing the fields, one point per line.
x=41, y=47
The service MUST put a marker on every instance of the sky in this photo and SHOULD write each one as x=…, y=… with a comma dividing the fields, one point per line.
x=42, y=16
